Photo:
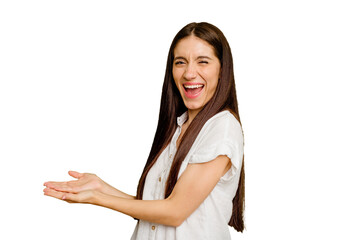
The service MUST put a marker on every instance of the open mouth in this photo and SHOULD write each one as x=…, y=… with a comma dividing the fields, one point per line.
x=193, y=90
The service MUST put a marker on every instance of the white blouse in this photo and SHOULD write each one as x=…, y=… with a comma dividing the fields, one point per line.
x=221, y=135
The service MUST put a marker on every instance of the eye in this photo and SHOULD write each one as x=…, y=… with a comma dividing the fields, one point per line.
x=204, y=62
x=179, y=62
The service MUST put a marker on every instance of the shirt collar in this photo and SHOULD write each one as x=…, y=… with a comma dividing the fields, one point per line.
x=182, y=119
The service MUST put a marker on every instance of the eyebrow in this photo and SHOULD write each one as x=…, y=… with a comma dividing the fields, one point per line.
x=199, y=57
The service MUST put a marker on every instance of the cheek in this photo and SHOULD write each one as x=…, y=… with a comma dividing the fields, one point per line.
x=212, y=83
x=176, y=76
x=215, y=79
x=212, y=88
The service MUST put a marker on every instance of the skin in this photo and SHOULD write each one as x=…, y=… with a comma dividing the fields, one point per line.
x=196, y=182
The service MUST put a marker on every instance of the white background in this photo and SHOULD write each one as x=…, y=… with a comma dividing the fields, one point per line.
x=80, y=85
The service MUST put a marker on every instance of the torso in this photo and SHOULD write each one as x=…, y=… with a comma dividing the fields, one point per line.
x=210, y=220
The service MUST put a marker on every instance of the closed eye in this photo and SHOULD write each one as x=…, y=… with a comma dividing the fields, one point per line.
x=203, y=59
x=179, y=62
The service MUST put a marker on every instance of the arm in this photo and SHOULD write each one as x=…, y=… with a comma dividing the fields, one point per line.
x=192, y=188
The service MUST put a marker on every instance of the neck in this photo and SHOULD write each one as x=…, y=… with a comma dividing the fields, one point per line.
x=192, y=114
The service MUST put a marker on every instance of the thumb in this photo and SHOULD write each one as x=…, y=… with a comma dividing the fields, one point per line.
x=75, y=174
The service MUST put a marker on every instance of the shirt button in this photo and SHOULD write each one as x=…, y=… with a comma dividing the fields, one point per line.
x=170, y=156
x=159, y=179
x=153, y=227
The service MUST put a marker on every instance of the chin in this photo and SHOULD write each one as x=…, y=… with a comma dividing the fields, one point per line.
x=194, y=107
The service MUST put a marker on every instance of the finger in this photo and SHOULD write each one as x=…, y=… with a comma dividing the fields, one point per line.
x=75, y=174
x=70, y=186
x=52, y=184
x=82, y=197
x=53, y=193
x=68, y=197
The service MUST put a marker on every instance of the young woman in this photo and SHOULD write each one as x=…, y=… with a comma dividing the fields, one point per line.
x=192, y=185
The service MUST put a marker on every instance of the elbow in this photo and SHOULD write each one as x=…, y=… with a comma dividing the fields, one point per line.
x=176, y=220
x=176, y=213
x=175, y=217
x=179, y=219
x=179, y=222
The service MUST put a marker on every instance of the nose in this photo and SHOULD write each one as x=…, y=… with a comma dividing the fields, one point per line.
x=190, y=72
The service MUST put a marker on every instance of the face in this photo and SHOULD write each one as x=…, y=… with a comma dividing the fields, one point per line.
x=196, y=71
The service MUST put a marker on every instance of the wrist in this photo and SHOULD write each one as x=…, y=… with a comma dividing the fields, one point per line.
x=97, y=198
x=106, y=188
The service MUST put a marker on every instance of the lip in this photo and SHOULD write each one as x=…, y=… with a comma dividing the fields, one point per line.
x=193, y=83
x=192, y=96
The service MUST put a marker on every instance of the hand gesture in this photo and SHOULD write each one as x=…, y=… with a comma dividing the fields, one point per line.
x=80, y=190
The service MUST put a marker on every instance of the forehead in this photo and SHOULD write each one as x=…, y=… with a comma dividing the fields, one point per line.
x=193, y=46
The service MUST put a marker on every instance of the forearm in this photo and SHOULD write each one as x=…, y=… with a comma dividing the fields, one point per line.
x=156, y=211
x=110, y=190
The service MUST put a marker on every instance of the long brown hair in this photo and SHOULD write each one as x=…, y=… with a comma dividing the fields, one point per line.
x=172, y=106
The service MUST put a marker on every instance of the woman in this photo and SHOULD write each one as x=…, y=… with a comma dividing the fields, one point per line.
x=192, y=185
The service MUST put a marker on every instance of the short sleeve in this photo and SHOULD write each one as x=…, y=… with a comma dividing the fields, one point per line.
x=221, y=135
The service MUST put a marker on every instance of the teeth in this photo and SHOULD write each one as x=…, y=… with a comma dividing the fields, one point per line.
x=193, y=86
